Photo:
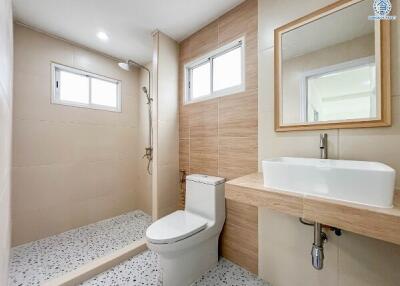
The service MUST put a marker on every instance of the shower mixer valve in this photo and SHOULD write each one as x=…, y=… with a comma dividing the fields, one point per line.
x=148, y=153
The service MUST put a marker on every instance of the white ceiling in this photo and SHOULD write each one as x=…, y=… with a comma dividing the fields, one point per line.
x=128, y=23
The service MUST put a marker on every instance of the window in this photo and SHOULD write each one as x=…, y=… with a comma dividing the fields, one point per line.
x=341, y=92
x=83, y=89
x=217, y=74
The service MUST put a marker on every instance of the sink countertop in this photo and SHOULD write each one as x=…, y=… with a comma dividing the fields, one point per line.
x=379, y=223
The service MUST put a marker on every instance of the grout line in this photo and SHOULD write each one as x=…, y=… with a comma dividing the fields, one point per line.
x=75, y=123
x=337, y=263
x=190, y=145
x=338, y=144
x=71, y=163
x=189, y=154
x=265, y=49
x=218, y=102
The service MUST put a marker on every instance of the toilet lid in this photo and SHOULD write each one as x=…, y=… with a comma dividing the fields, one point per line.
x=175, y=227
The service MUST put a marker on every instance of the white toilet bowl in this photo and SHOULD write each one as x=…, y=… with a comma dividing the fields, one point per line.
x=187, y=241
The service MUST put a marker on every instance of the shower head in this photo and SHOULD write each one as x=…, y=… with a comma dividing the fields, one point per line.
x=124, y=66
x=127, y=65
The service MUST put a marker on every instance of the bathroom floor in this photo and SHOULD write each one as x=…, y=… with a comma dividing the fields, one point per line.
x=41, y=260
x=37, y=261
x=144, y=269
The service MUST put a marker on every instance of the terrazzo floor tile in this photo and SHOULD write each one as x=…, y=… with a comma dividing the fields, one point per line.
x=35, y=262
x=144, y=270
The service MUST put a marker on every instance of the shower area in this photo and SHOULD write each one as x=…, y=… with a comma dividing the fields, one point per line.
x=146, y=89
x=87, y=183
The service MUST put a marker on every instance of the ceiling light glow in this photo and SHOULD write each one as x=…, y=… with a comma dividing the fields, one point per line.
x=102, y=36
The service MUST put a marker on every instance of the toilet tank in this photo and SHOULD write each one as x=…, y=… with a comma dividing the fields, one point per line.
x=205, y=196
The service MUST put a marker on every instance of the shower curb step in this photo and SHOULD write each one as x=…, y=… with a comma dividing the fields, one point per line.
x=99, y=265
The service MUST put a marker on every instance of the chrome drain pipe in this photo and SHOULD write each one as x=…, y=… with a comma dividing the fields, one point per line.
x=317, y=250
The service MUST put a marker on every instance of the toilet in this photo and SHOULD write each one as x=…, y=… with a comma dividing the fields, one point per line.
x=187, y=241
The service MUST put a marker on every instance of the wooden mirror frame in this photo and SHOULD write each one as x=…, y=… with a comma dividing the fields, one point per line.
x=382, y=59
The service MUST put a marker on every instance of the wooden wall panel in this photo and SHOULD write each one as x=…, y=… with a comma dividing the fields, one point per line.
x=219, y=136
x=238, y=116
x=239, y=240
x=237, y=156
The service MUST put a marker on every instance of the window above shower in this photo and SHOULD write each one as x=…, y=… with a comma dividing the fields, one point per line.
x=216, y=74
x=79, y=88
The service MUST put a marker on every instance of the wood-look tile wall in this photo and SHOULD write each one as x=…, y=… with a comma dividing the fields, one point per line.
x=219, y=136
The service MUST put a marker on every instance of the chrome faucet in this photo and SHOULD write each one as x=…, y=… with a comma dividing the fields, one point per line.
x=323, y=145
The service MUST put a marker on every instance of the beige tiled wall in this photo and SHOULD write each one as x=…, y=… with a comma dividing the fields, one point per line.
x=219, y=136
x=285, y=244
x=71, y=166
x=6, y=83
x=166, y=126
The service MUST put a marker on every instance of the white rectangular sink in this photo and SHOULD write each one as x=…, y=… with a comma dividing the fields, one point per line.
x=368, y=183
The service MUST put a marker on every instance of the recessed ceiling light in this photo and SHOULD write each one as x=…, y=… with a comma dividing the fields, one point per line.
x=102, y=36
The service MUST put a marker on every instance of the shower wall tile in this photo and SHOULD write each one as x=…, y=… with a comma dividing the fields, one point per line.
x=5, y=140
x=33, y=102
x=221, y=134
x=88, y=60
x=50, y=186
x=5, y=229
x=28, y=228
x=6, y=101
x=65, y=156
x=34, y=52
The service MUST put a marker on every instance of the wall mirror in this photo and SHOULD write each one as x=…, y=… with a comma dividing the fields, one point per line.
x=332, y=69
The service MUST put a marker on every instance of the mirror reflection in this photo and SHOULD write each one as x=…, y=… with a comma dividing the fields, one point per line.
x=329, y=70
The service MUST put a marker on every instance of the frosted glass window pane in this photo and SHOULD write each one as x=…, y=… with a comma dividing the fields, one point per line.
x=104, y=92
x=228, y=70
x=201, y=80
x=74, y=87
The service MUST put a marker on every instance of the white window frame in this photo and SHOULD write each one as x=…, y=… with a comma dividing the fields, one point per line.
x=209, y=57
x=55, y=97
x=322, y=71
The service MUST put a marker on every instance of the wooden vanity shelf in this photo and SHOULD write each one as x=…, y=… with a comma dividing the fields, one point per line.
x=379, y=223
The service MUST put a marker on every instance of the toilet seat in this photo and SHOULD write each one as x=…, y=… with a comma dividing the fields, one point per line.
x=174, y=227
